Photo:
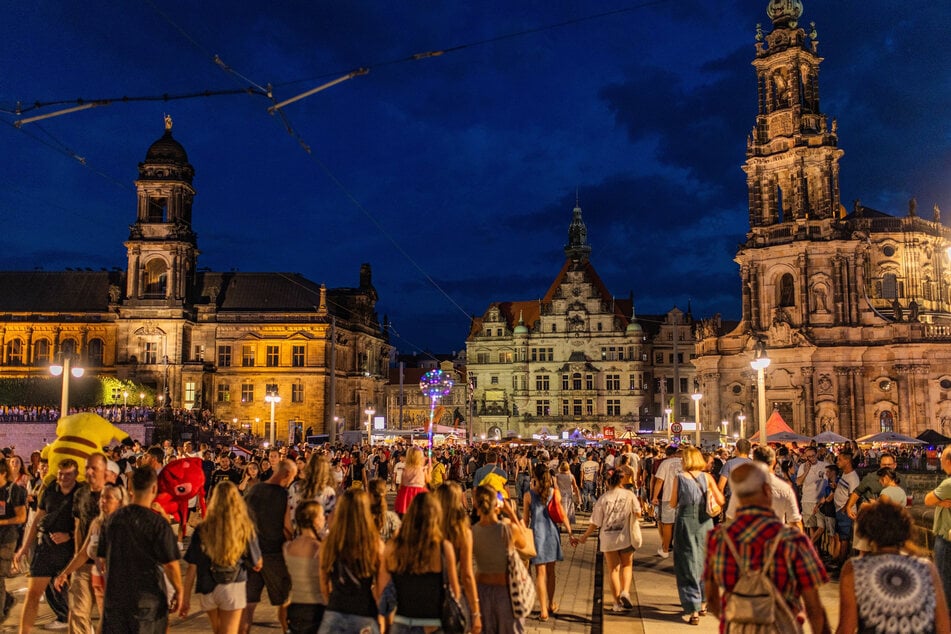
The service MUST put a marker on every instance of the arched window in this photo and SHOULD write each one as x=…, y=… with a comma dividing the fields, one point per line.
x=886, y=421
x=156, y=277
x=94, y=352
x=576, y=381
x=68, y=346
x=15, y=352
x=787, y=290
x=889, y=286
x=41, y=352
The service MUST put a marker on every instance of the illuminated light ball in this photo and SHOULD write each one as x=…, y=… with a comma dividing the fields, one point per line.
x=435, y=384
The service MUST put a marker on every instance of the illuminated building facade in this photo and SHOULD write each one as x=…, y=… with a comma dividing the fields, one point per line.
x=197, y=338
x=854, y=306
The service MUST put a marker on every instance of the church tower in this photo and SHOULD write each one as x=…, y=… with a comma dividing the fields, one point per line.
x=162, y=248
x=792, y=169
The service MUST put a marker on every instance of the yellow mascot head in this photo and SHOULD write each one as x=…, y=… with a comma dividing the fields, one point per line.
x=77, y=437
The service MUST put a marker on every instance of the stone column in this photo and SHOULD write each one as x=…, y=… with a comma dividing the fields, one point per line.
x=28, y=354
x=858, y=389
x=711, y=382
x=809, y=397
x=837, y=288
x=755, y=293
x=905, y=407
x=745, y=284
x=805, y=304
x=852, y=277
x=844, y=400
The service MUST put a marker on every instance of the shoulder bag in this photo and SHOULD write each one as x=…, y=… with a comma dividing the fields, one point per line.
x=521, y=587
x=452, y=614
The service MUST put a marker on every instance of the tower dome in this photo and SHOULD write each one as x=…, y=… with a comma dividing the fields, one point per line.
x=521, y=328
x=166, y=150
x=633, y=327
x=166, y=159
x=784, y=13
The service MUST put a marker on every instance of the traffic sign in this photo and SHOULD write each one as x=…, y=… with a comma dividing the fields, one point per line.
x=676, y=428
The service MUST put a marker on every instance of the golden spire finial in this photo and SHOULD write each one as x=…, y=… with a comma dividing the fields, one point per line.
x=168, y=123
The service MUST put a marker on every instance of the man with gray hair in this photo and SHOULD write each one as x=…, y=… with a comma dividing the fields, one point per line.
x=783, y=498
x=796, y=570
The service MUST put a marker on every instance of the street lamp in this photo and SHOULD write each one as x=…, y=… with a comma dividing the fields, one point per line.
x=759, y=363
x=125, y=404
x=742, y=419
x=667, y=413
x=141, y=399
x=66, y=371
x=369, y=411
x=273, y=399
x=696, y=396
x=723, y=425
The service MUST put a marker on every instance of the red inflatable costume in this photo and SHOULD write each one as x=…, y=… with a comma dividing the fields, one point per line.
x=178, y=482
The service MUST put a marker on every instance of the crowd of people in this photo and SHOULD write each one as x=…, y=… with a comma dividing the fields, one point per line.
x=480, y=527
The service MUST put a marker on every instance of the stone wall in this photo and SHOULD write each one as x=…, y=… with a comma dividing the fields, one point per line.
x=29, y=437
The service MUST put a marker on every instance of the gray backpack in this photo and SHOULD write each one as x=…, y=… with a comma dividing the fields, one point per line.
x=755, y=606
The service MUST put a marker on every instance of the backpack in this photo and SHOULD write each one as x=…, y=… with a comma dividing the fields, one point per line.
x=755, y=606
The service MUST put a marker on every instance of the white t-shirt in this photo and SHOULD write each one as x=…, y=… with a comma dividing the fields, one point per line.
x=848, y=482
x=784, y=504
x=589, y=469
x=667, y=471
x=812, y=484
x=613, y=513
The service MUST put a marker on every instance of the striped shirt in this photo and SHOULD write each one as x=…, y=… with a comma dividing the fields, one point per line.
x=797, y=566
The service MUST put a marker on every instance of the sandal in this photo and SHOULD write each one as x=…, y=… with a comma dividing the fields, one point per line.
x=694, y=620
x=542, y=618
x=554, y=608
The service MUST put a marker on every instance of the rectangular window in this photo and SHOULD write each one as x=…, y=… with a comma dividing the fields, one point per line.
x=589, y=381
x=150, y=354
x=680, y=357
x=658, y=358
x=505, y=357
x=542, y=383
x=612, y=382
x=224, y=392
x=297, y=356
x=599, y=326
x=190, y=392
x=475, y=381
x=270, y=388
x=683, y=385
x=551, y=354
x=670, y=359
x=684, y=409
x=247, y=356
x=576, y=407
x=247, y=392
x=564, y=407
x=542, y=408
x=633, y=382
x=116, y=394
x=564, y=382
x=482, y=357
x=297, y=393
x=534, y=354
x=224, y=356
x=669, y=385
x=589, y=407
x=494, y=379
x=576, y=381
x=199, y=353
x=273, y=358
x=614, y=407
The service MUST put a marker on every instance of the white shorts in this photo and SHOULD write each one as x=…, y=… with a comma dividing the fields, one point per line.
x=225, y=596
x=667, y=514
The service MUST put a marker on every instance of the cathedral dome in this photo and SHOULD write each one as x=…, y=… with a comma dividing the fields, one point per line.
x=166, y=150
x=634, y=328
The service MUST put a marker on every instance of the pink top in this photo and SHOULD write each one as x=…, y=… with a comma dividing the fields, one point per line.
x=414, y=477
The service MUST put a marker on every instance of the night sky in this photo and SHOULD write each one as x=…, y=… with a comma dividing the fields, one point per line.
x=453, y=175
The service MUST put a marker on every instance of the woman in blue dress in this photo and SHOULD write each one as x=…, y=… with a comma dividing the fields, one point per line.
x=547, y=537
x=690, y=531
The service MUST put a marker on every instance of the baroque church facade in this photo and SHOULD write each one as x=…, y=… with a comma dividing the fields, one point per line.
x=197, y=338
x=853, y=306
x=577, y=361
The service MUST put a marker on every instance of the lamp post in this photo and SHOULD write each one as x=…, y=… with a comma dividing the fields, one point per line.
x=273, y=399
x=667, y=413
x=66, y=371
x=742, y=419
x=759, y=363
x=369, y=411
x=723, y=426
x=125, y=404
x=696, y=396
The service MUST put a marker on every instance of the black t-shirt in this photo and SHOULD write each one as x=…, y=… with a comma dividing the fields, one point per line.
x=85, y=506
x=11, y=496
x=59, y=510
x=135, y=542
x=267, y=504
x=220, y=475
x=204, y=582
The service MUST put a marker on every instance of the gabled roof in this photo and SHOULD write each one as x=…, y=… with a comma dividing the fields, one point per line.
x=862, y=211
x=57, y=291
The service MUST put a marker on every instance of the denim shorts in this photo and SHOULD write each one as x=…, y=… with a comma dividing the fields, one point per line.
x=340, y=623
x=843, y=525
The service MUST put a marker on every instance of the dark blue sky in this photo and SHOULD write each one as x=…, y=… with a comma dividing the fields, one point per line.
x=462, y=167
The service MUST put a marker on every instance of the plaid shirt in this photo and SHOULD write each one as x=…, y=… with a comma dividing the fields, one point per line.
x=797, y=566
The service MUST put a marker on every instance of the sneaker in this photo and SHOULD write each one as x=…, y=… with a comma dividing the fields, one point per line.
x=662, y=554
x=626, y=601
x=56, y=625
x=616, y=608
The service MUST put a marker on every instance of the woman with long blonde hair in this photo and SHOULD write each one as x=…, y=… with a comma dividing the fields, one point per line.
x=222, y=548
x=456, y=529
x=349, y=563
x=414, y=480
x=416, y=560
x=317, y=485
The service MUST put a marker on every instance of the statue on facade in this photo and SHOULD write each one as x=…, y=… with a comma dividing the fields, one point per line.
x=899, y=313
x=168, y=123
x=912, y=208
x=819, y=298
x=114, y=294
x=937, y=213
x=913, y=311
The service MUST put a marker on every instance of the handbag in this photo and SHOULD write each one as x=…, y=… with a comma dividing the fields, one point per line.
x=451, y=613
x=713, y=509
x=554, y=510
x=529, y=551
x=637, y=539
x=521, y=587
